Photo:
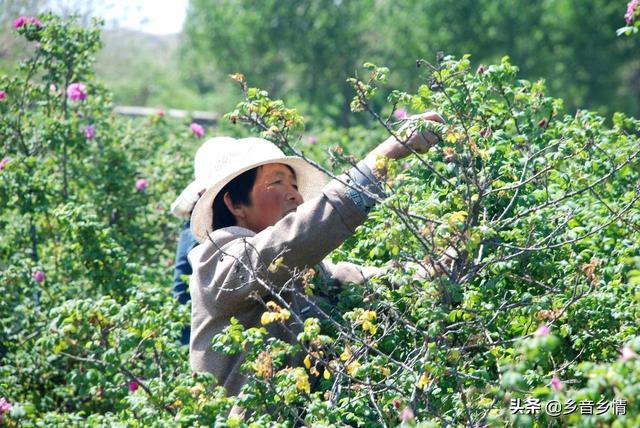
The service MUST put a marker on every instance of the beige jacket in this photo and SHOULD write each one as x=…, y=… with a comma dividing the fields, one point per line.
x=231, y=274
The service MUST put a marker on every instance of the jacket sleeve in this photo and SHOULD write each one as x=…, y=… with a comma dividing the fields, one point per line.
x=264, y=263
x=343, y=273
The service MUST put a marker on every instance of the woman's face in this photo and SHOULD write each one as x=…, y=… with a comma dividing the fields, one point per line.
x=274, y=195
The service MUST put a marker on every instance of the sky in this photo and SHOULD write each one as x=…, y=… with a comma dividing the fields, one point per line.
x=149, y=16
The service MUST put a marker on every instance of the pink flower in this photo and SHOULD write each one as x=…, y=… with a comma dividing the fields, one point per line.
x=77, y=92
x=555, y=384
x=631, y=10
x=542, y=123
x=3, y=163
x=542, y=331
x=133, y=385
x=5, y=406
x=400, y=114
x=627, y=354
x=481, y=69
x=197, y=129
x=312, y=139
x=24, y=20
x=160, y=112
x=3, y=95
x=90, y=132
x=406, y=165
x=38, y=276
x=19, y=22
x=141, y=184
x=406, y=414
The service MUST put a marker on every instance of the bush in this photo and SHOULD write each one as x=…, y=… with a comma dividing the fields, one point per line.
x=88, y=329
x=541, y=208
x=539, y=304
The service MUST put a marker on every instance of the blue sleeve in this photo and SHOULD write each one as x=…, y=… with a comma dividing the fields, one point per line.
x=182, y=266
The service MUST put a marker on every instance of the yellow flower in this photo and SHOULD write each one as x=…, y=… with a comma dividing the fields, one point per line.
x=272, y=305
x=276, y=313
x=369, y=326
x=327, y=374
x=176, y=404
x=366, y=319
x=352, y=368
x=458, y=216
x=452, y=136
x=368, y=315
x=302, y=382
x=267, y=318
x=385, y=371
x=381, y=163
x=307, y=362
x=346, y=354
x=423, y=381
x=275, y=265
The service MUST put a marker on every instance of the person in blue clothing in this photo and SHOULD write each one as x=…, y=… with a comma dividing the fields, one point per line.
x=181, y=270
x=182, y=267
x=182, y=208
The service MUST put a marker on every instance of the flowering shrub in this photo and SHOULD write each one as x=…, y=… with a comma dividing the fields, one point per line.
x=631, y=18
x=88, y=328
x=539, y=301
x=537, y=305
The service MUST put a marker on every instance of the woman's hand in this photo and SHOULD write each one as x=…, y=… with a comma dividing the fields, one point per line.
x=408, y=138
x=419, y=141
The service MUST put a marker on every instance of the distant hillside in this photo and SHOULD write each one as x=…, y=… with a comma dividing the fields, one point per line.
x=124, y=46
x=139, y=68
x=143, y=69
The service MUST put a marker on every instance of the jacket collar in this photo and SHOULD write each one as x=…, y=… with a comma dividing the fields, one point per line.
x=220, y=238
x=227, y=234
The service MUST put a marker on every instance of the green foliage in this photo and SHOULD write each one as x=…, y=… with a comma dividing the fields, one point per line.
x=310, y=47
x=303, y=51
x=541, y=208
x=101, y=318
x=537, y=301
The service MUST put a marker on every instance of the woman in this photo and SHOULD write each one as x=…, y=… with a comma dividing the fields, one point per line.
x=263, y=219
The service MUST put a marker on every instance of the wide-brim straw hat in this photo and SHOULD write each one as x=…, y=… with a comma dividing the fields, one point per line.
x=231, y=158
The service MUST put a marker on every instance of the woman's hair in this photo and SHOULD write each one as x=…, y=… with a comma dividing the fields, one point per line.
x=238, y=189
